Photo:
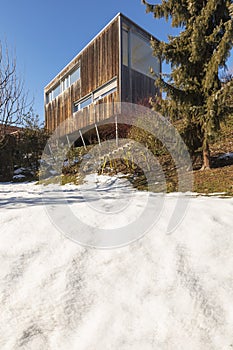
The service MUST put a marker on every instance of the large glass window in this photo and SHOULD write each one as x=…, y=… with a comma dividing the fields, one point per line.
x=142, y=58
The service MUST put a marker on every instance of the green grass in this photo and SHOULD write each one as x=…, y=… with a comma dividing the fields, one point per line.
x=219, y=180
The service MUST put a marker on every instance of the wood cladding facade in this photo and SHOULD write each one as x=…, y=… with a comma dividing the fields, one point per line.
x=100, y=62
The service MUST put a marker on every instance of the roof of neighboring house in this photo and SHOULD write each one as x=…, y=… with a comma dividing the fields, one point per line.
x=9, y=129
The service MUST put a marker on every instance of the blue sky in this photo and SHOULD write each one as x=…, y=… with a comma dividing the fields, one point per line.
x=46, y=35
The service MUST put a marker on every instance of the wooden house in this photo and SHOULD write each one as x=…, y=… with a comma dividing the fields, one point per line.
x=114, y=67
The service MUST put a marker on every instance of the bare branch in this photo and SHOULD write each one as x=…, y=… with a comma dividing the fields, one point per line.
x=13, y=99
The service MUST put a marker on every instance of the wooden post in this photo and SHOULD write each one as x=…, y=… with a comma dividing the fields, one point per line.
x=68, y=140
x=82, y=139
x=116, y=131
x=97, y=133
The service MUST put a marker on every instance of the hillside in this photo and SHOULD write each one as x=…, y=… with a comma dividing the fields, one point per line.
x=219, y=179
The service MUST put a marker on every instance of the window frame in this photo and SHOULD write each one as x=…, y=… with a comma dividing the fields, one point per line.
x=98, y=94
x=125, y=46
x=133, y=66
x=106, y=89
x=78, y=105
x=64, y=84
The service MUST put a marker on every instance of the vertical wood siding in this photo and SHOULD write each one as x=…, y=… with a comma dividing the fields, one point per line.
x=99, y=63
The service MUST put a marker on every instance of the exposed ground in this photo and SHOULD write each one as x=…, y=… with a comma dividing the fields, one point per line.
x=219, y=179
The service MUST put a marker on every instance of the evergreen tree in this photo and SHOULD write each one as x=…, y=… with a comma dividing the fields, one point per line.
x=194, y=89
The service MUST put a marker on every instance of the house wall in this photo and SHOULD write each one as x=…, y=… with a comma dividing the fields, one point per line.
x=136, y=87
x=99, y=63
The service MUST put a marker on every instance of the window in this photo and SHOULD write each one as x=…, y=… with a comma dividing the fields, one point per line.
x=86, y=102
x=56, y=91
x=53, y=94
x=83, y=103
x=74, y=76
x=65, y=83
x=49, y=97
x=125, y=45
x=98, y=94
x=70, y=79
x=142, y=58
x=105, y=90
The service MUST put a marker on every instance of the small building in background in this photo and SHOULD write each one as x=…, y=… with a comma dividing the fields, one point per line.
x=114, y=67
x=9, y=129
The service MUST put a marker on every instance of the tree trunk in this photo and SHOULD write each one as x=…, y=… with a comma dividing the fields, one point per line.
x=206, y=157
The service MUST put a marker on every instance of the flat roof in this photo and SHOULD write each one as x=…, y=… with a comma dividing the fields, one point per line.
x=119, y=14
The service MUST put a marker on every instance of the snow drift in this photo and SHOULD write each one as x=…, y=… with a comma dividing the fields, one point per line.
x=160, y=292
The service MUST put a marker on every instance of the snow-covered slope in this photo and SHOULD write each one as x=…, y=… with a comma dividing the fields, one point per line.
x=160, y=292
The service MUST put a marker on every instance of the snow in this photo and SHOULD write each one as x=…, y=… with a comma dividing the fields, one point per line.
x=20, y=176
x=19, y=171
x=53, y=172
x=228, y=155
x=163, y=291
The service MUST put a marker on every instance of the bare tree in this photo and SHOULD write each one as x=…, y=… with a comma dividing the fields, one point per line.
x=13, y=99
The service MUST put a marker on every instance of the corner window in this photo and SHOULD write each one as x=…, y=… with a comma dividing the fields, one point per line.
x=53, y=93
x=142, y=58
x=125, y=45
x=49, y=97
